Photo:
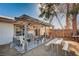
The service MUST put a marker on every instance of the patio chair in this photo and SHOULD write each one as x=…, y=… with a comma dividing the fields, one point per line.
x=65, y=47
x=55, y=44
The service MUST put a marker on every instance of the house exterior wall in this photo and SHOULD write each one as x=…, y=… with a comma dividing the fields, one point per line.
x=6, y=33
x=42, y=30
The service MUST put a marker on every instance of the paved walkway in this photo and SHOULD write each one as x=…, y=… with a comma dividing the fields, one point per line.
x=41, y=50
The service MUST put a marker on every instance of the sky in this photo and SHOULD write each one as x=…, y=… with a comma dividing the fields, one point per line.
x=17, y=9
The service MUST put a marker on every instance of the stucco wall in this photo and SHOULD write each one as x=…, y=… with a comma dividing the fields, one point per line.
x=6, y=33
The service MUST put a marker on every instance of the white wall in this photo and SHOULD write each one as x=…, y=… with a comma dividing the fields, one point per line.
x=6, y=33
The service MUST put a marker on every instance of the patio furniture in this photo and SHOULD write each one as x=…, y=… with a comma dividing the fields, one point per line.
x=65, y=47
x=16, y=41
x=28, y=40
x=48, y=45
x=43, y=39
x=55, y=42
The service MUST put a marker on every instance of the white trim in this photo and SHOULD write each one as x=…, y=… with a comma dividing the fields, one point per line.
x=7, y=17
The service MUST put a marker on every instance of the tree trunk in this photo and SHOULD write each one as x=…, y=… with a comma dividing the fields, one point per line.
x=74, y=20
x=74, y=23
x=67, y=20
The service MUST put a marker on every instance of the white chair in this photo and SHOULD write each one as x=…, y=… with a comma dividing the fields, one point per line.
x=57, y=42
x=65, y=47
x=50, y=42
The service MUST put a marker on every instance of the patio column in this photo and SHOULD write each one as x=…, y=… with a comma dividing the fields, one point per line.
x=38, y=30
x=25, y=44
x=25, y=30
x=14, y=30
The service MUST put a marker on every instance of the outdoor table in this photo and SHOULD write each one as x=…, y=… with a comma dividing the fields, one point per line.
x=65, y=46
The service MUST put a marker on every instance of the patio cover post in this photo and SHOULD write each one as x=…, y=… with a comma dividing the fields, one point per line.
x=25, y=30
x=14, y=30
x=25, y=35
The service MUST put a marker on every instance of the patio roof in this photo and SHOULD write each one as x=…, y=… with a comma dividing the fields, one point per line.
x=31, y=19
x=7, y=20
x=23, y=18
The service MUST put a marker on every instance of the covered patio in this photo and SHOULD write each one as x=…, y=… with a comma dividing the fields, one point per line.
x=30, y=32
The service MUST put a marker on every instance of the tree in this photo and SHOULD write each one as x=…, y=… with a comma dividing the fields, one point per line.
x=74, y=12
x=49, y=11
x=67, y=17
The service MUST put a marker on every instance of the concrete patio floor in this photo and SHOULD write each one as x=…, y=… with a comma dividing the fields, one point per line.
x=51, y=50
x=5, y=50
x=40, y=50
